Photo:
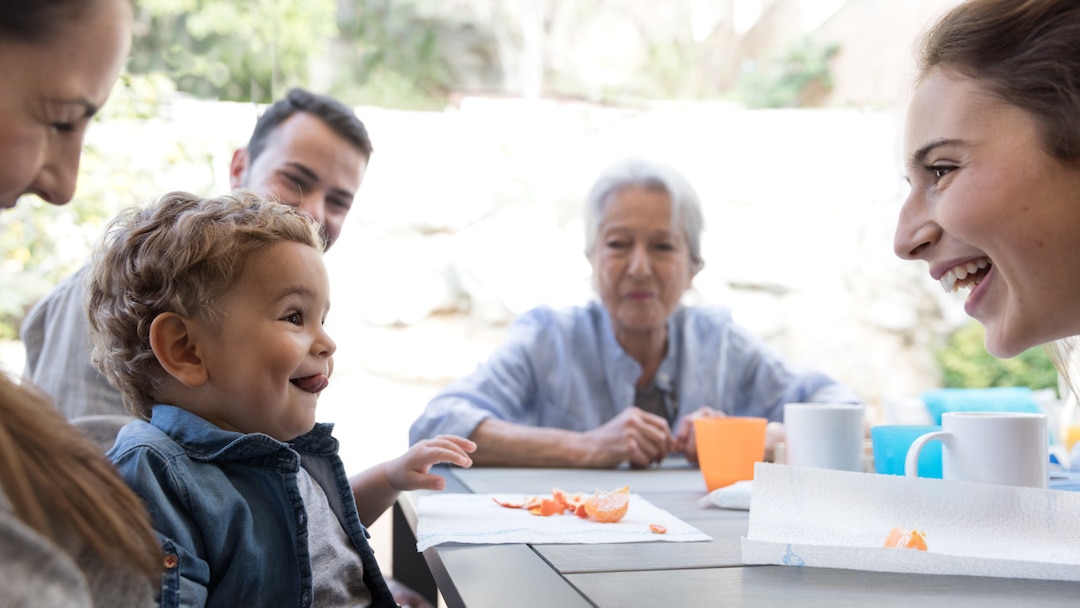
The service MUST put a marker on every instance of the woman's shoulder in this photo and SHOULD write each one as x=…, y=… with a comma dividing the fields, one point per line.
x=35, y=571
x=546, y=318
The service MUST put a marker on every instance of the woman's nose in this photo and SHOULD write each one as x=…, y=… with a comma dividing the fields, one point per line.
x=916, y=231
x=639, y=261
x=55, y=183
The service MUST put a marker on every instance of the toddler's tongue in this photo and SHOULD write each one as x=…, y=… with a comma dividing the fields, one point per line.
x=313, y=384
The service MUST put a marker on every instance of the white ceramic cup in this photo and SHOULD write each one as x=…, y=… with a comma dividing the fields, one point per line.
x=1009, y=448
x=824, y=435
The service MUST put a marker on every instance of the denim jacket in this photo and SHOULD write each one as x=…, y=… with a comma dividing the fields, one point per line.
x=229, y=512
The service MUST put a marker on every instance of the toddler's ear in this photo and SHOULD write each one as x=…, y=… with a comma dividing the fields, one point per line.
x=173, y=340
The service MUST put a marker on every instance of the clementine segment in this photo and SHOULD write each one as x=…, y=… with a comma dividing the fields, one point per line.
x=608, y=507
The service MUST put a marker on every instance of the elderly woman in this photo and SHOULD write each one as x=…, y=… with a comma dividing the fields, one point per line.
x=607, y=383
x=993, y=148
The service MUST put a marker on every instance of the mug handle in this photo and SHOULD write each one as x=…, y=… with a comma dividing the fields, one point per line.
x=911, y=463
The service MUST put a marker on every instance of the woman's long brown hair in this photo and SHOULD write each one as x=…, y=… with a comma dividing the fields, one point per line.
x=60, y=484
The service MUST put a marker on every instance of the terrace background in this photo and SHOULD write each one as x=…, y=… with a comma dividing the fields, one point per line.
x=490, y=119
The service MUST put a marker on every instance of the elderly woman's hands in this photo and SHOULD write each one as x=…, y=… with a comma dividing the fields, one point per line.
x=634, y=436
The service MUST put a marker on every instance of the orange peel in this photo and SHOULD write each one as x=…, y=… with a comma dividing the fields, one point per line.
x=602, y=506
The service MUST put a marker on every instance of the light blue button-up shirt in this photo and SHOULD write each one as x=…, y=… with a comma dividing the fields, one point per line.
x=565, y=369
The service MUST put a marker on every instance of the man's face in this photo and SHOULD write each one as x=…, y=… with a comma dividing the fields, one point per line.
x=307, y=165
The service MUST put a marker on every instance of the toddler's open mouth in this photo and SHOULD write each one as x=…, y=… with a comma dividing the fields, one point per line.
x=312, y=384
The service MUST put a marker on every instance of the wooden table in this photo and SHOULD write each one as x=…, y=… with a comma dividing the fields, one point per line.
x=665, y=574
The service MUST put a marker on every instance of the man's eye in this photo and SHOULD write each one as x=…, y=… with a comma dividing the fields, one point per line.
x=63, y=127
x=342, y=204
x=295, y=181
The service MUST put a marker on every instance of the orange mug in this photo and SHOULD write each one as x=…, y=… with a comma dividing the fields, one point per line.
x=728, y=447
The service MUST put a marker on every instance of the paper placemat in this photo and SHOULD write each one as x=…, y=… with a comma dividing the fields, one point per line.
x=476, y=519
x=839, y=519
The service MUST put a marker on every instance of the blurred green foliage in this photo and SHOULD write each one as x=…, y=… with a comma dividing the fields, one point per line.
x=390, y=57
x=789, y=80
x=965, y=363
x=230, y=50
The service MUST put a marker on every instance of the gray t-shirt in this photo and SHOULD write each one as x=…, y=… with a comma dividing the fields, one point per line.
x=335, y=564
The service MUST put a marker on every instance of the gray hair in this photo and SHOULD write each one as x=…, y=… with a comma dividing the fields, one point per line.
x=685, y=204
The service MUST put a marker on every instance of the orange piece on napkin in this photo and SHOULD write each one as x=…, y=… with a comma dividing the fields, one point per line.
x=602, y=506
x=608, y=507
x=902, y=538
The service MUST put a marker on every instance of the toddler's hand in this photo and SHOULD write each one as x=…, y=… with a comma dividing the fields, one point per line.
x=410, y=471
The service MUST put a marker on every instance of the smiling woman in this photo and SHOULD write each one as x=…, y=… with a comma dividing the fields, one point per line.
x=71, y=532
x=993, y=150
x=79, y=47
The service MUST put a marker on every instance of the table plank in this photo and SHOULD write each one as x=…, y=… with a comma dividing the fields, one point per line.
x=724, y=551
x=815, y=588
x=478, y=576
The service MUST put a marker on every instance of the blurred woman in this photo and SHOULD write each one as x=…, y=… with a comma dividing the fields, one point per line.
x=71, y=532
x=993, y=157
x=620, y=380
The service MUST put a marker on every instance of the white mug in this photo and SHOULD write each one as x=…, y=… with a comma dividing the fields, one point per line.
x=824, y=435
x=1009, y=448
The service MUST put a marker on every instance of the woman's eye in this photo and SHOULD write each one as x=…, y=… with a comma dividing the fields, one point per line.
x=940, y=171
x=63, y=127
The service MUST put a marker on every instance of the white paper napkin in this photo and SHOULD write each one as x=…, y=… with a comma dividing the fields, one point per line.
x=839, y=519
x=735, y=496
x=476, y=519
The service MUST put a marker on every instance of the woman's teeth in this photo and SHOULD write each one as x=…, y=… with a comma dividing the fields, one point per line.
x=965, y=275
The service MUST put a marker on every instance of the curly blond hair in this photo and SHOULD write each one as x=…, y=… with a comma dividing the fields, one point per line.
x=177, y=255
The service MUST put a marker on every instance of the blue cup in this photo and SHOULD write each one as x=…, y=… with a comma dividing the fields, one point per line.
x=891, y=443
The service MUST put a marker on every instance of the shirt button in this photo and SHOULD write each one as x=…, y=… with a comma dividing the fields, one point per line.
x=302, y=518
x=171, y=561
x=305, y=598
